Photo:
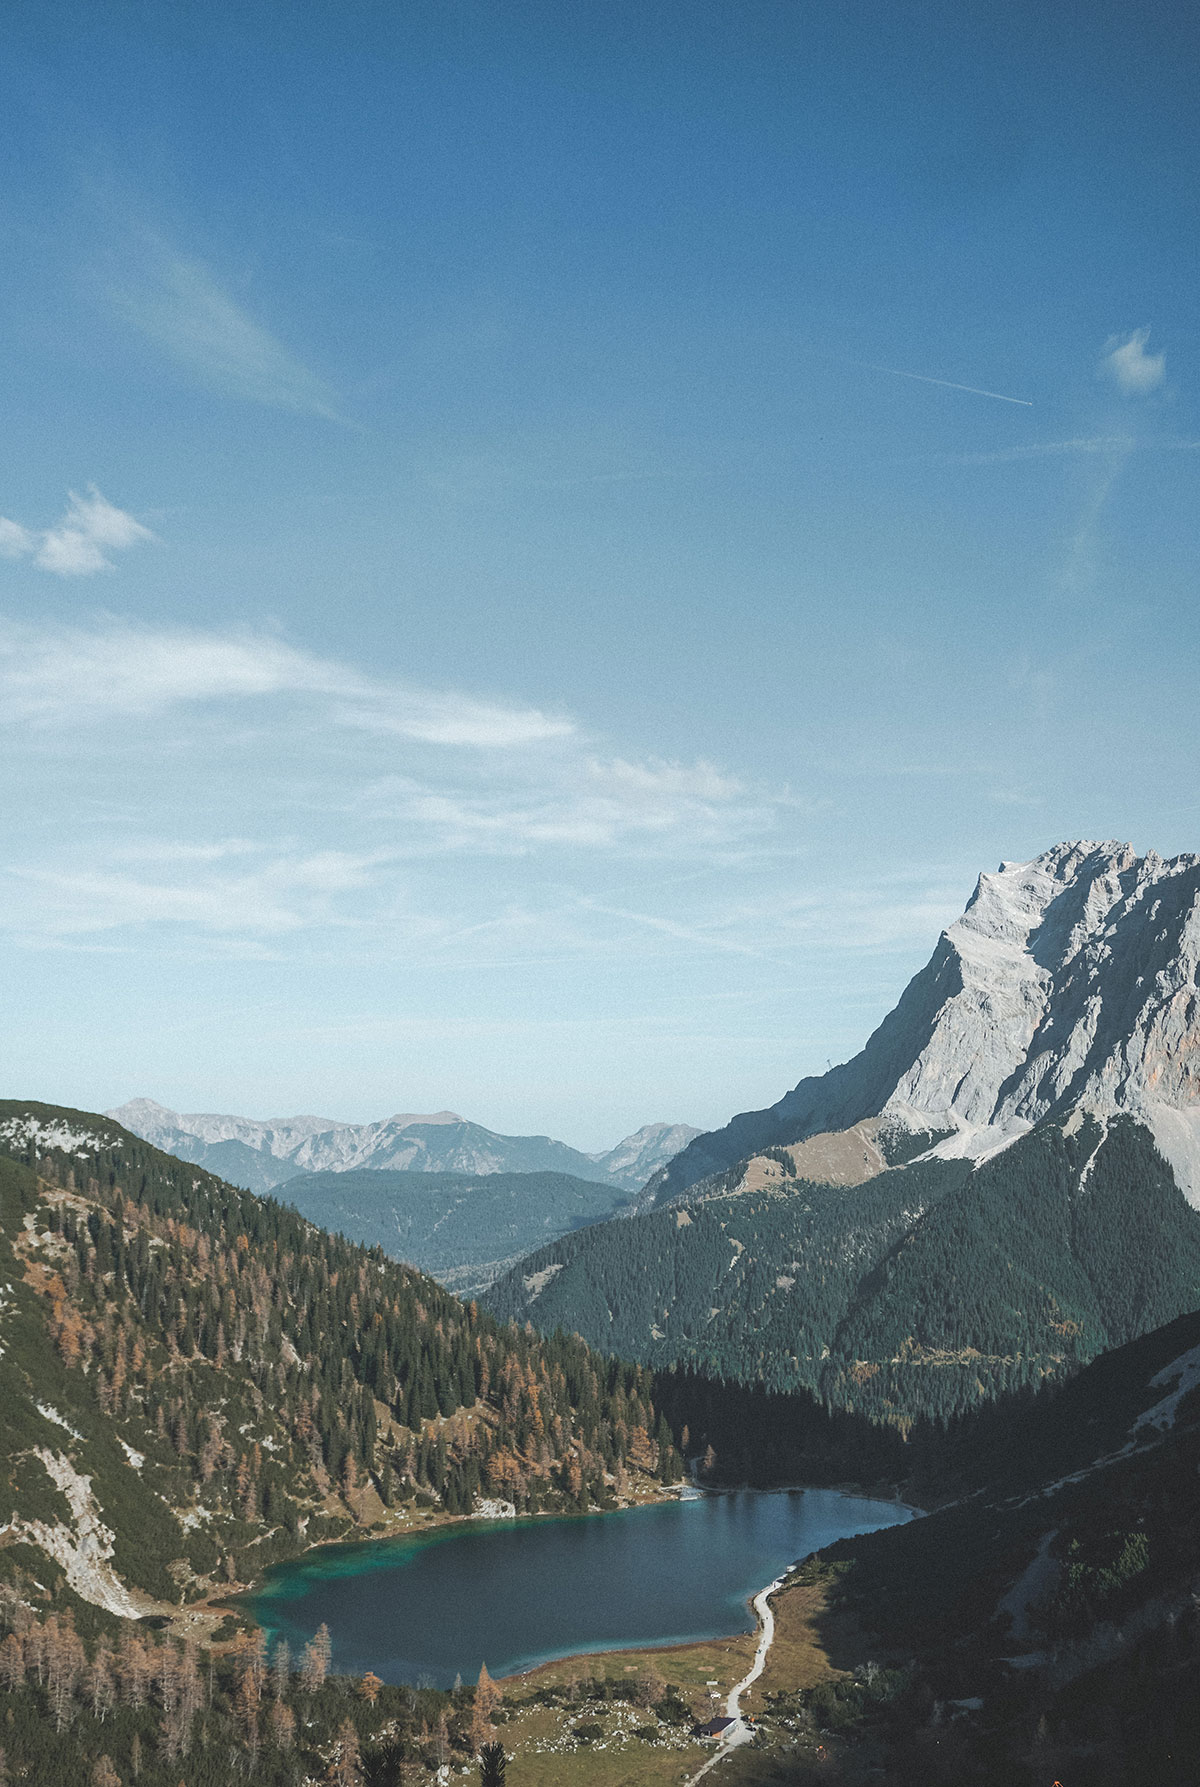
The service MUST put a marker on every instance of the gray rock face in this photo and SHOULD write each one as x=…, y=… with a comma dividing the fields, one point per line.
x=264, y=1154
x=1069, y=983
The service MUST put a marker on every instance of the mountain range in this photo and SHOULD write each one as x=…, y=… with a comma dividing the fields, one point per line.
x=982, y=1233
x=998, y=1187
x=195, y=1382
x=262, y=1154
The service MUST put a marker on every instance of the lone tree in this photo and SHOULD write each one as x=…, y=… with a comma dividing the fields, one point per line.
x=492, y=1764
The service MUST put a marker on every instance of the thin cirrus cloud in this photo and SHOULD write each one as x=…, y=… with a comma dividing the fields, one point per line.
x=78, y=545
x=179, y=304
x=269, y=896
x=57, y=674
x=1126, y=362
x=581, y=801
x=340, y=812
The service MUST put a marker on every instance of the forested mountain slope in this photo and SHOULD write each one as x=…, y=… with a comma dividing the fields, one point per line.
x=463, y=1229
x=1044, y=1626
x=919, y=1292
x=195, y=1381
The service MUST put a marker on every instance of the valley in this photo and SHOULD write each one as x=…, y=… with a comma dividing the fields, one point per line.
x=226, y=1427
x=464, y=1230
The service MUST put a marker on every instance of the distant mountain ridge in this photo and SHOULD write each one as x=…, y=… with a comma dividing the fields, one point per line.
x=263, y=1154
x=1070, y=984
x=463, y=1229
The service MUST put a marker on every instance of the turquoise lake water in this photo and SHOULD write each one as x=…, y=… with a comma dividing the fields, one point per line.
x=514, y=1593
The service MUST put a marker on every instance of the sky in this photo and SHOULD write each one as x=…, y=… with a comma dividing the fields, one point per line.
x=545, y=546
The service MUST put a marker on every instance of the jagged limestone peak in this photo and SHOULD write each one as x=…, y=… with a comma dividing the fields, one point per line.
x=1070, y=981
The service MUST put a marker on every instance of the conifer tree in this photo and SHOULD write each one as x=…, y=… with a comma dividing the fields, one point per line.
x=492, y=1764
x=486, y=1696
x=346, y=1769
x=318, y=1653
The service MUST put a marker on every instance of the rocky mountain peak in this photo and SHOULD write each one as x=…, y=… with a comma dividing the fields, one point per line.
x=1070, y=982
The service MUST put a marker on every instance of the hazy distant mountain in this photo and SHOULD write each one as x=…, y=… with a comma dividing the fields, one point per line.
x=264, y=1154
x=643, y=1153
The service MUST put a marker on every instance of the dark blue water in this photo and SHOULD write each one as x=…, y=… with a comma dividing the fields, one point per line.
x=515, y=1593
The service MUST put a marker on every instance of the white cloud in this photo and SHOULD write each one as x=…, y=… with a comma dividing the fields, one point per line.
x=649, y=782
x=1132, y=369
x=16, y=541
x=68, y=673
x=179, y=305
x=579, y=800
x=323, y=802
x=274, y=896
x=454, y=720
x=79, y=544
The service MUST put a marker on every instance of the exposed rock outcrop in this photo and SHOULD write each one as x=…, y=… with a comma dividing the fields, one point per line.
x=84, y=1549
x=1069, y=983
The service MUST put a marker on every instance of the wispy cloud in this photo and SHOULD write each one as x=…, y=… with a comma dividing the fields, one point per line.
x=333, y=809
x=1086, y=446
x=703, y=938
x=1083, y=547
x=270, y=896
x=1130, y=367
x=54, y=674
x=180, y=305
x=583, y=801
x=1078, y=446
x=80, y=544
x=871, y=916
x=450, y=719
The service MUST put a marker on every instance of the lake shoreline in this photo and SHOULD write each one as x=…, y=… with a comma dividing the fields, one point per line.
x=677, y=1581
x=233, y=1604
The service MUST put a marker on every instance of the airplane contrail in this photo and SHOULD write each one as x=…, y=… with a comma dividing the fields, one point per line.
x=924, y=379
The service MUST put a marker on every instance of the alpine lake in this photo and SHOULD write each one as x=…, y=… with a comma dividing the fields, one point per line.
x=424, y=1608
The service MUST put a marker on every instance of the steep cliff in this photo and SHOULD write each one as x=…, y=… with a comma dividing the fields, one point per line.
x=1068, y=985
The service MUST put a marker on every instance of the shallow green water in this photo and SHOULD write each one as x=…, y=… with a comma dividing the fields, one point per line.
x=518, y=1592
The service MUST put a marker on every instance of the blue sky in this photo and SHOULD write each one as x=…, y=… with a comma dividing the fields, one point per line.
x=545, y=546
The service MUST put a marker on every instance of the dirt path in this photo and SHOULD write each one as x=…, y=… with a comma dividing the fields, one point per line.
x=739, y=1732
